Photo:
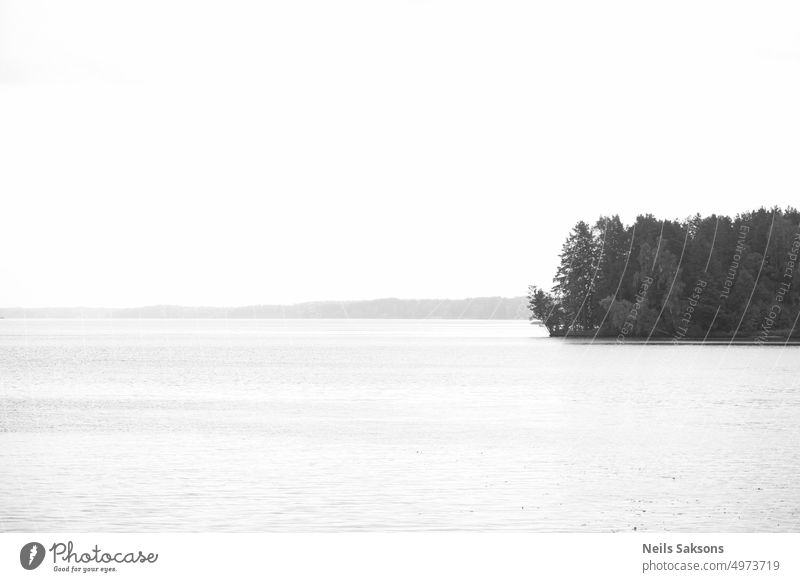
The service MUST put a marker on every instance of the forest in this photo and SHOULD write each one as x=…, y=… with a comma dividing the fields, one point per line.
x=711, y=277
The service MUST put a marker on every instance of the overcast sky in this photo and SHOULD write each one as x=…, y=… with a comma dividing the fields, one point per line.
x=212, y=152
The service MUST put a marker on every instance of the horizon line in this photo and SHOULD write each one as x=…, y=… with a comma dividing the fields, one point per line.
x=242, y=306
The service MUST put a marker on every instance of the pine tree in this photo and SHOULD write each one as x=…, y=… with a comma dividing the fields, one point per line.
x=577, y=276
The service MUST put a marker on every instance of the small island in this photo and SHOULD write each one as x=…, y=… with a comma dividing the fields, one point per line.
x=702, y=278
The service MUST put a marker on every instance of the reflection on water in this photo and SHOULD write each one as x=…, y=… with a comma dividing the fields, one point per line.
x=388, y=425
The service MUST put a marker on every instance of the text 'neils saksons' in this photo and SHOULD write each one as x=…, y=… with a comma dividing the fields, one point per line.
x=663, y=548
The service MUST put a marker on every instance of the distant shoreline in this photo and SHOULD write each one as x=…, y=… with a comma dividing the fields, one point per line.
x=490, y=308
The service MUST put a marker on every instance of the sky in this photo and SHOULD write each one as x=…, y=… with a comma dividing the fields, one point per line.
x=248, y=152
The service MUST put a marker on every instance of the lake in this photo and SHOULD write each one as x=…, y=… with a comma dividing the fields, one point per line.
x=378, y=425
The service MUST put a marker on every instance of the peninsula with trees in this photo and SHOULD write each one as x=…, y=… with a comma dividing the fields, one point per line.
x=701, y=278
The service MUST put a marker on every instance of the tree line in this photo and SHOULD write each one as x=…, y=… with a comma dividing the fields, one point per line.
x=494, y=308
x=702, y=277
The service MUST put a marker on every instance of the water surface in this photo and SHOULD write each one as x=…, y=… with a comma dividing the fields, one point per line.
x=337, y=425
